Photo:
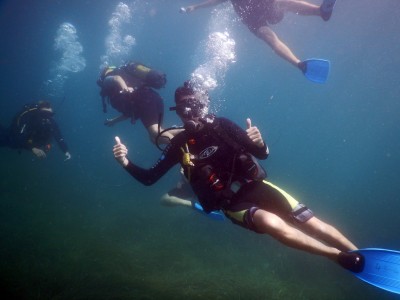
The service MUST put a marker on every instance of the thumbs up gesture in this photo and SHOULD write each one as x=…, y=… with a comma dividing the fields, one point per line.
x=254, y=134
x=120, y=152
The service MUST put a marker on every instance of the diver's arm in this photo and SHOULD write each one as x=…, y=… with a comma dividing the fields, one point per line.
x=116, y=82
x=59, y=138
x=113, y=121
x=204, y=4
x=147, y=176
x=168, y=159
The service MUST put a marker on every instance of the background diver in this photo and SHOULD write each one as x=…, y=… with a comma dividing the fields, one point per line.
x=259, y=15
x=33, y=129
x=130, y=90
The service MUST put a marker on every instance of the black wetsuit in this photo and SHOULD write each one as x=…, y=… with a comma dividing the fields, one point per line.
x=32, y=128
x=219, y=154
x=217, y=171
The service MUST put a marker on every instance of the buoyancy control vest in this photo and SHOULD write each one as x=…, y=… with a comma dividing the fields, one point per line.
x=214, y=176
x=150, y=77
x=32, y=127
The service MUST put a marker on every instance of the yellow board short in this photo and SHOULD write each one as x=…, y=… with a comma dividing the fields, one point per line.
x=266, y=196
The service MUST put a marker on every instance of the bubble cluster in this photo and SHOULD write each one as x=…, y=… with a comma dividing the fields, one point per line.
x=67, y=43
x=71, y=61
x=117, y=44
x=54, y=87
x=220, y=53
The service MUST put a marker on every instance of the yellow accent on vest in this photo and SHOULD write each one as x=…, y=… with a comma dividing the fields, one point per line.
x=143, y=68
x=186, y=159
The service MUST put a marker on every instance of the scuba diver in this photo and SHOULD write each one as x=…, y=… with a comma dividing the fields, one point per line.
x=220, y=162
x=33, y=129
x=259, y=15
x=129, y=90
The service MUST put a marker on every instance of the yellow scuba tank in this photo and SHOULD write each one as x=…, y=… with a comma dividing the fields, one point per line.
x=150, y=77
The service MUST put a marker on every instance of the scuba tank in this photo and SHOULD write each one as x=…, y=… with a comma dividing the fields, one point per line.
x=106, y=71
x=150, y=77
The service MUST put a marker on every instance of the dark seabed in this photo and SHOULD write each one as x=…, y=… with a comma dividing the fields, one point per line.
x=84, y=229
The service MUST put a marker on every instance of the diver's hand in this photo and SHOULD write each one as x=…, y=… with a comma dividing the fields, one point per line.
x=128, y=90
x=67, y=156
x=109, y=122
x=120, y=152
x=254, y=134
x=39, y=153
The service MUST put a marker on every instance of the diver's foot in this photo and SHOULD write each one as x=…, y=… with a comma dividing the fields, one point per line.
x=351, y=261
x=302, y=66
x=175, y=201
x=326, y=9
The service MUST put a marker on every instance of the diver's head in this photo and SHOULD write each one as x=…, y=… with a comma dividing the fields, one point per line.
x=103, y=73
x=45, y=108
x=107, y=70
x=190, y=103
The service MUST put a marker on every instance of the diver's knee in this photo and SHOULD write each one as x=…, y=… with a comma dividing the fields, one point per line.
x=267, y=222
x=266, y=34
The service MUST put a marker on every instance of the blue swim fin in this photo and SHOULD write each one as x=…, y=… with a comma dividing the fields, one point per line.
x=316, y=70
x=381, y=268
x=216, y=214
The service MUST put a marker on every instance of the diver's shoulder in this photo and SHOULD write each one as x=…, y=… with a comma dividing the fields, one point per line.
x=223, y=121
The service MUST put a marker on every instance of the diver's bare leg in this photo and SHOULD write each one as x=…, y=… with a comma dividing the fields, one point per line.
x=276, y=227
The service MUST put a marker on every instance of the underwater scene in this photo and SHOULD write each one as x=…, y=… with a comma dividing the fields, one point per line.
x=75, y=225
